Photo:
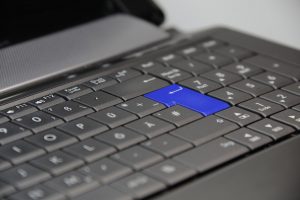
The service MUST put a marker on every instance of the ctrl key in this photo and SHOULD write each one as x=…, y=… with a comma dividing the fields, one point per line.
x=211, y=154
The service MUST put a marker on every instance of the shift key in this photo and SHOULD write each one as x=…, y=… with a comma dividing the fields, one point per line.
x=136, y=87
x=211, y=154
x=205, y=129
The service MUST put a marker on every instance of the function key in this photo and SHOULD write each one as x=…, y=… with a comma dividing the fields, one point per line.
x=272, y=128
x=69, y=110
x=170, y=74
x=272, y=79
x=293, y=88
x=244, y=69
x=282, y=97
x=141, y=106
x=74, y=91
x=252, y=87
x=200, y=84
x=148, y=66
x=125, y=74
x=276, y=66
x=100, y=82
x=38, y=121
x=236, y=53
x=18, y=111
x=261, y=106
x=210, y=44
x=191, y=66
x=290, y=117
x=249, y=138
x=222, y=77
x=46, y=101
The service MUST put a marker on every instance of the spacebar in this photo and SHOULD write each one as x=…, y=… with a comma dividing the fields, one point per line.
x=136, y=87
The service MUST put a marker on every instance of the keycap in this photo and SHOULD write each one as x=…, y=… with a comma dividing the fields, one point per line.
x=18, y=111
x=3, y=119
x=4, y=165
x=121, y=137
x=57, y=162
x=141, y=106
x=38, y=192
x=125, y=74
x=210, y=44
x=46, y=101
x=137, y=157
x=239, y=116
x=222, y=77
x=98, y=100
x=38, y=121
x=113, y=117
x=213, y=59
x=205, y=129
x=179, y=95
x=51, y=140
x=100, y=82
x=10, y=132
x=69, y=110
x=6, y=189
x=190, y=50
x=236, y=53
x=211, y=154
x=272, y=128
x=252, y=87
x=275, y=65
x=249, y=138
x=138, y=185
x=200, y=84
x=289, y=116
x=169, y=58
x=283, y=98
x=272, y=79
x=261, y=106
x=83, y=128
x=89, y=150
x=72, y=184
x=136, y=87
x=150, y=126
x=105, y=170
x=145, y=67
x=293, y=88
x=24, y=176
x=230, y=95
x=74, y=91
x=178, y=115
x=191, y=66
x=297, y=107
x=170, y=172
x=170, y=74
x=20, y=151
x=105, y=191
x=167, y=145
x=244, y=69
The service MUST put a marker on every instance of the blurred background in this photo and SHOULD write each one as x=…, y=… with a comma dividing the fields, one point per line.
x=277, y=20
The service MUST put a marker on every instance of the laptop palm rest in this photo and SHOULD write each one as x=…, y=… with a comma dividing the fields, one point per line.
x=40, y=59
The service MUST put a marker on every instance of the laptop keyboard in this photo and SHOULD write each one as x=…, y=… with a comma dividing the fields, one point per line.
x=144, y=129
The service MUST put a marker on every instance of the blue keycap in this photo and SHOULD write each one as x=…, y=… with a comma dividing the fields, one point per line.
x=178, y=95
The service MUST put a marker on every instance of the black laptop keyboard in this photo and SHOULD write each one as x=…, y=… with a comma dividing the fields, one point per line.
x=142, y=130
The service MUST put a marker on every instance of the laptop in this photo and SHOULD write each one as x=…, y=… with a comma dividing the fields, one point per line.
x=98, y=102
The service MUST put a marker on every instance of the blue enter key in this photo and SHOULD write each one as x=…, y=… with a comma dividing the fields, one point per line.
x=178, y=95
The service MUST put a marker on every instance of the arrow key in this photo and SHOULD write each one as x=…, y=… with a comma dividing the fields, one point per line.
x=290, y=117
x=249, y=138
